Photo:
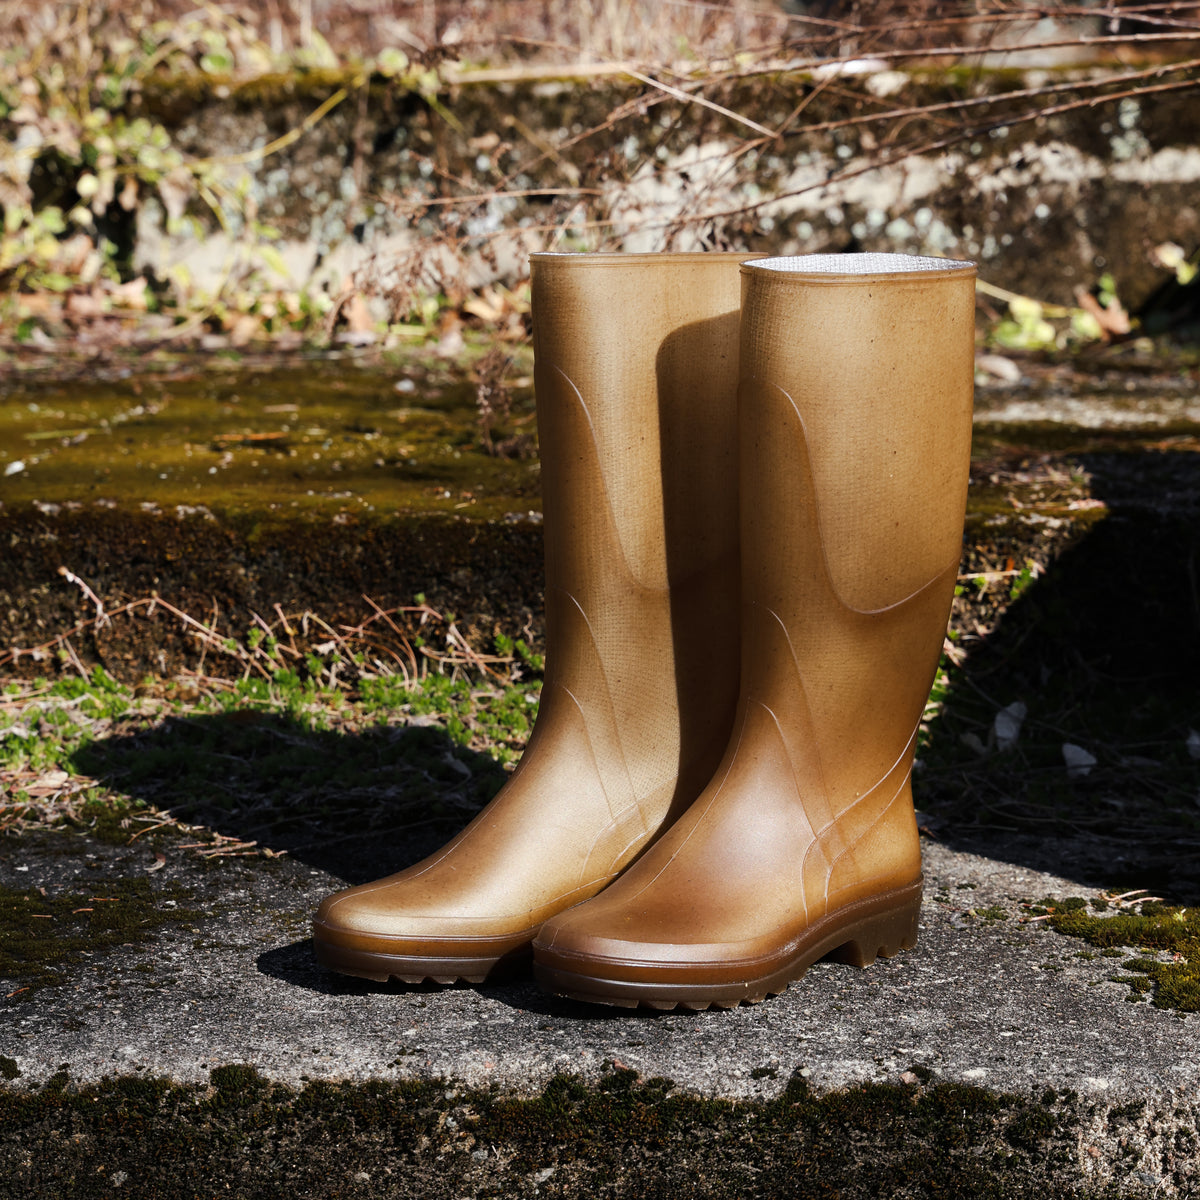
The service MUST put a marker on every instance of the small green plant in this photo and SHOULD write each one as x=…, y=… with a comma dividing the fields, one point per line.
x=54, y=733
x=1029, y=323
x=1174, y=258
x=67, y=113
x=991, y=914
x=519, y=649
x=1024, y=578
x=1025, y=327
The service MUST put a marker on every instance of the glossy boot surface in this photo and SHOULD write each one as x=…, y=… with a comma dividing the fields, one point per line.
x=636, y=379
x=855, y=425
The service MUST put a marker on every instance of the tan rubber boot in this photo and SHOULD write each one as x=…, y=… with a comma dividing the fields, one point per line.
x=636, y=378
x=855, y=428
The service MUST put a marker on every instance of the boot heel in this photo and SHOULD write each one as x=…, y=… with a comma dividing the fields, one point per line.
x=881, y=934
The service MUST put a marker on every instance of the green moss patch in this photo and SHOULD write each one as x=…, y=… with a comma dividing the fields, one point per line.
x=306, y=441
x=40, y=935
x=1156, y=930
x=621, y=1136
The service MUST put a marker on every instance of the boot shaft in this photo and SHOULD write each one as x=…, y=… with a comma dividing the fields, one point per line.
x=872, y=355
x=636, y=379
x=636, y=371
x=855, y=431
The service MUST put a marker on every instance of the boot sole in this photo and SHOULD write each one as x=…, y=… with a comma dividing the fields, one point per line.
x=878, y=927
x=380, y=966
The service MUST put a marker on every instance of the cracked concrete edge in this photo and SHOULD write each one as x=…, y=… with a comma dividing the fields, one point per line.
x=1141, y=1151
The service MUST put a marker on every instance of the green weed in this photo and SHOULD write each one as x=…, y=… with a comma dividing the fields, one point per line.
x=299, y=745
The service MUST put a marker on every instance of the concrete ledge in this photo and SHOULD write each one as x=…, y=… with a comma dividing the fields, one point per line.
x=1066, y=1081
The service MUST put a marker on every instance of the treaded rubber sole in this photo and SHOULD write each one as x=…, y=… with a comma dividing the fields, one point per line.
x=878, y=927
x=405, y=968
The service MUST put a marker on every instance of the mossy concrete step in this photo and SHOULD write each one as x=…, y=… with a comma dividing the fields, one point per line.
x=241, y=493
x=997, y=1058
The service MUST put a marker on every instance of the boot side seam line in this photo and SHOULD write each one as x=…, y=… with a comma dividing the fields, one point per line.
x=821, y=539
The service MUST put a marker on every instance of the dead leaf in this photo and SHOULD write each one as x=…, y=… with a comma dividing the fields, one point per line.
x=129, y=194
x=48, y=784
x=39, y=304
x=999, y=367
x=1078, y=760
x=1168, y=255
x=175, y=188
x=488, y=305
x=131, y=295
x=1112, y=318
x=244, y=329
x=450, y=340
x=357, y=315
x=1007, y=724
x=272, y=439
x=84, y=306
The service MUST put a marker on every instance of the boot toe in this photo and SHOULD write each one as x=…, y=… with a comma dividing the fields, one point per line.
x=606, y=953
x=377, y=932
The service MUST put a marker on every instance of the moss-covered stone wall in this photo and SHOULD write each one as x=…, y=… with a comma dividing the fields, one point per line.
x=1045, y=205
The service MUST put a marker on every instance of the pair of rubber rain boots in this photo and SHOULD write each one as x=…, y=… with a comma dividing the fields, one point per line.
x=754, y=478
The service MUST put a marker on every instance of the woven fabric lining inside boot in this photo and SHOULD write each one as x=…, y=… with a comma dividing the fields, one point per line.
x=856, y=264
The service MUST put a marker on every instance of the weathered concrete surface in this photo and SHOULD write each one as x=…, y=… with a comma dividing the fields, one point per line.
x=993, y=1003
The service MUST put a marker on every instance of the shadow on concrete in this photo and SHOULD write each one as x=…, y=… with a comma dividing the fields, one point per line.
x=356, y=804
x=1104, y=650
x=294, y=964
